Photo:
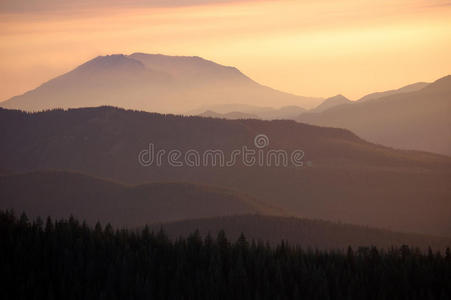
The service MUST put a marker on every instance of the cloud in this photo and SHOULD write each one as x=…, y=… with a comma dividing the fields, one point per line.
x=17, y=6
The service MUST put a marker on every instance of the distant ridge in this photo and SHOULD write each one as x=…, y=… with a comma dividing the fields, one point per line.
x=254, y=112
x=234, y=115
x=405, y=89
x=181, y=208
x=60, y=194
x=414, y=120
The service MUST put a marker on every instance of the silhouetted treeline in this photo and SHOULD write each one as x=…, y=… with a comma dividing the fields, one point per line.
x=307, y=233
x=69, y=260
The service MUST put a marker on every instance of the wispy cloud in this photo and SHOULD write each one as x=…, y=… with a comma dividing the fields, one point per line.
x=18, y=6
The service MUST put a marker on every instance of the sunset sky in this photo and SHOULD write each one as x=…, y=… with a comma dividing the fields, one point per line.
x=308, y=47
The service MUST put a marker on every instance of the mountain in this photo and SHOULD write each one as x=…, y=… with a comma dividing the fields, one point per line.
x=234, y=115
x=263, y=113
x=406, y=89
x=230, y=107
x=331, y=102
x=343, y=178
x=60, y=194
x=418, y=120
x=283, y=113
x=315, y=234
x=150, y=82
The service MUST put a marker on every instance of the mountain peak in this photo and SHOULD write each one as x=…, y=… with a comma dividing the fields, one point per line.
x=331, y=102
x=108, y=62
x=338, y=97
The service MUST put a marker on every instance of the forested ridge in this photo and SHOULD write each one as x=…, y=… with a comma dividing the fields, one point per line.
x=104, y=142
x=67, y=259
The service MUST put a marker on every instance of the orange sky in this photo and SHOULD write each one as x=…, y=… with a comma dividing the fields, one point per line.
x=309, y=47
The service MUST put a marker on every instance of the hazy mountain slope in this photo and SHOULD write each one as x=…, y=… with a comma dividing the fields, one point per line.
x=283, y=113
x=234, y=115
x=406, y=89
x=152, y=83
x=116, y=80
x=345, y=179
x=228, y=107
x=306, y=233
x=61, y=194
x=192, y=69
x=417, y=120
x=231, y=111
x=331, y=102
